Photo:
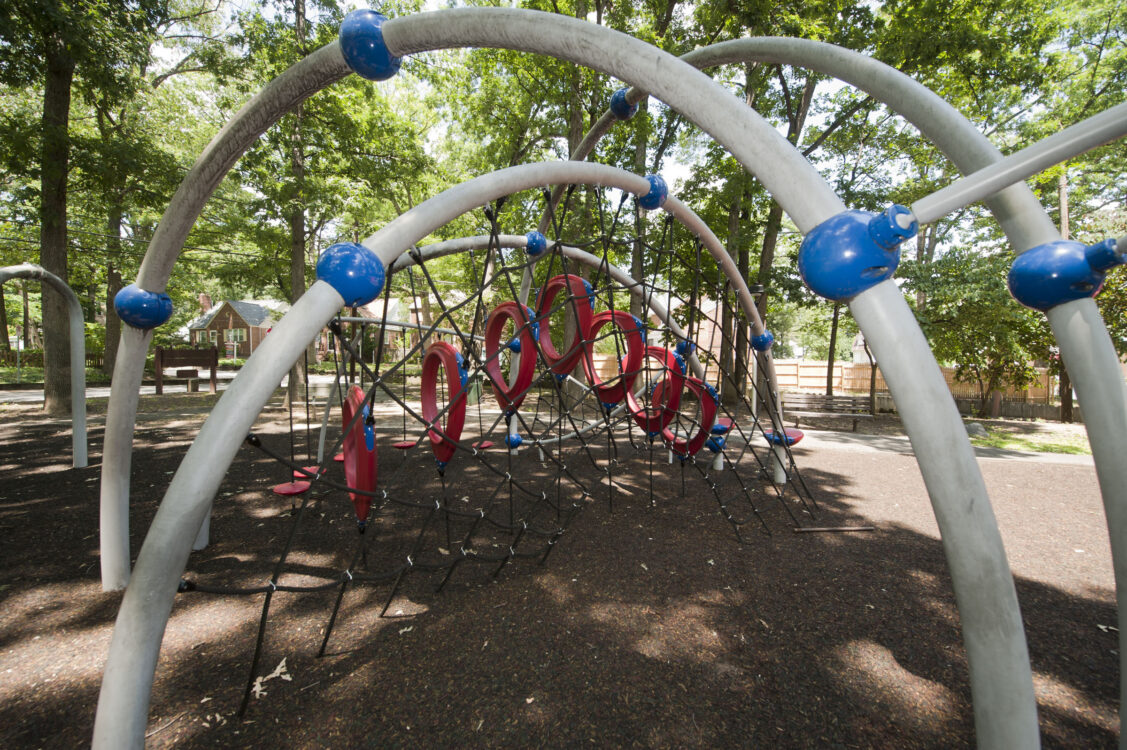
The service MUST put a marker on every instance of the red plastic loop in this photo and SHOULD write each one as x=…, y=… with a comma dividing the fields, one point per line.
x=666, y=396
x=685, y=448
x=510, y=397
x=361, y=464
x=562, y=364
x=443, y=437
x=635, y=353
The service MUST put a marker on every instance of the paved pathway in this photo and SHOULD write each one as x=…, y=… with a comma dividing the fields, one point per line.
x=816, y=439
x=103, y=391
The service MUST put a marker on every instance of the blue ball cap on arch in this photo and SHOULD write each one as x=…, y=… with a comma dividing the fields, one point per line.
x=535, y=243
x=141, y=309
x=620, y=107
x=353, y=270
x=363, y=46
x=659, y=191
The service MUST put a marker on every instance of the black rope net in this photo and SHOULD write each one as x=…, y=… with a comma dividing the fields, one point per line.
x=534, y=451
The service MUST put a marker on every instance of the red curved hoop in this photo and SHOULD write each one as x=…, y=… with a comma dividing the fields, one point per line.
x=635, y=353
x=444, y=440
x=361, y=464
x=562, y=364
x=510, y=397
x=685, y=448
x=665, y=399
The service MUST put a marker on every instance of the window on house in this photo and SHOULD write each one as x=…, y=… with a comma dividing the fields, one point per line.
x=235, y=334
x=213, y=336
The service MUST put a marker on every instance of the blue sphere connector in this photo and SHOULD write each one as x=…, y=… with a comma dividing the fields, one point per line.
x=684, y=349
x=641, y=326
x=463, y=372
x=608, y=405
x=535, y=243
x=763, y=341
x=590, y=292
x=353, y=270
x=141, y=309
x=363, y=46
x=852, y=251
x=620, y=107
x=659, y=191
x=514, y=440
x=1062, y=271
x=716, y=443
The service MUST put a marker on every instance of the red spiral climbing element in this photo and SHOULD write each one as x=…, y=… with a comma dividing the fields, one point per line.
x=444, y=436
x=666, y=395
x=361, y=464
x=634, y=330
x=583, y=304
x=709, y=401
x=523, y=344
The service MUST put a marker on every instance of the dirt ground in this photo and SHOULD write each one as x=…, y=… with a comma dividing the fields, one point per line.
x=650, y=623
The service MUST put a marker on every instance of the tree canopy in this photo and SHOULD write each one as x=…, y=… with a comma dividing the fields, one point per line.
x=148, y=82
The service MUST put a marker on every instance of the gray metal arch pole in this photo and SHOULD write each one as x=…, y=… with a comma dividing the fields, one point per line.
x=79, y=457
x=1001, y=682
x=1086, y=347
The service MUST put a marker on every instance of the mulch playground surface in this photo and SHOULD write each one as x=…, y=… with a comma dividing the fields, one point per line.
x=650, y=624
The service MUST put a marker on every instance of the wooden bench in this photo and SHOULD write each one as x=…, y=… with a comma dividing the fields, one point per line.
x=820, y=406
x=189, y=360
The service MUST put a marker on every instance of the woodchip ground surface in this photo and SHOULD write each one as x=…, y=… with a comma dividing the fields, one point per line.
x=650, y=624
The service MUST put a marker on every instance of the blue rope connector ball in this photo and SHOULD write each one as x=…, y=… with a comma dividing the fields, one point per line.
x=353, y=270
x=620, y=107
x=535, y=243
x=514, y=440
x=763, y=341
x=659, y=191
x=1062, y=271
x=363, y=47
x=853, y=251
x=141, y=309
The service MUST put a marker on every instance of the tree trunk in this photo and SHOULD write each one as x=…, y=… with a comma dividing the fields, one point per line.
x=5, y=345
x=113, y=286
x=833, y=348
x=297, y=208
x=113, y=323
x=872, y=379
x=25, y=338
x=1066, y=414
x=54, y=163
x=728, y=383
x=637, y=254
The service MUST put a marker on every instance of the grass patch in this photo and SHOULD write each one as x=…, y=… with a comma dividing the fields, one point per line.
x=34, y=376
x=1034, y=443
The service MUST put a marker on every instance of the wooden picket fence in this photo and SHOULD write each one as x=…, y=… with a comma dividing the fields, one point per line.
x=853, y=378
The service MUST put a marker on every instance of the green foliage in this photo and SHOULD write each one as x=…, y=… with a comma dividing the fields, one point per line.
x=971, y=321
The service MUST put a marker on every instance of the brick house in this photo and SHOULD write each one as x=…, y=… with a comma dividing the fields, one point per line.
x=237, y=327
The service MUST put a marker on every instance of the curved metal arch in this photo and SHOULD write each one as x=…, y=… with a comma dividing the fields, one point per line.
x=1086, y=347
x=147, y=604
x=1002, y=683
x=79, y=454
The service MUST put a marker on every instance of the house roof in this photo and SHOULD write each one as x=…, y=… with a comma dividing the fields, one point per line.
x=256, y=313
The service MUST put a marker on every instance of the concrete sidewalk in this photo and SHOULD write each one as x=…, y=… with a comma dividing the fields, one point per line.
x=319, y=385
x=851, y=441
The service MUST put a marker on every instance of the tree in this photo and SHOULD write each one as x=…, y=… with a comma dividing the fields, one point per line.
x=972, y=321
x=49, y=43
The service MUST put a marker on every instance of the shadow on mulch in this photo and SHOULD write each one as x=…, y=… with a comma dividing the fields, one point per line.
x=648, y=625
